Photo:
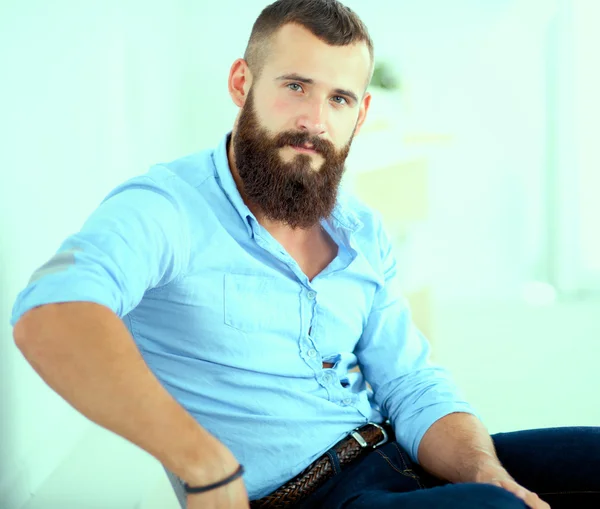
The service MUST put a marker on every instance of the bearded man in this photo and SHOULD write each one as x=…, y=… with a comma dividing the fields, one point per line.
x=212, y=310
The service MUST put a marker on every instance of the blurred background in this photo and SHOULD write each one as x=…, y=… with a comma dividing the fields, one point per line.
x=480, y=152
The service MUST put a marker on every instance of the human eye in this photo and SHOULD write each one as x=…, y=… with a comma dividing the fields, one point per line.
x=338, y=99
x=295, y=87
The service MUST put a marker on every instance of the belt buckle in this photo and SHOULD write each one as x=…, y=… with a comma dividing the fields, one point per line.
x=385, y=435
x=363, y=443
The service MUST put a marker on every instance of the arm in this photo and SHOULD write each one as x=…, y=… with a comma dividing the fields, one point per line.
x=394, y=357
x=432, y=421
x=458, y=448
x=68, y=326
x=84, y=352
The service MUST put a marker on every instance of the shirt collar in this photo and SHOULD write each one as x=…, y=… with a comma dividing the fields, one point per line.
x=223, y=173
x=343, y=216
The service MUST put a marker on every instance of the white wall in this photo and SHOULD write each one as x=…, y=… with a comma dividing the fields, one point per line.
x=587, y=111
x=475, y=70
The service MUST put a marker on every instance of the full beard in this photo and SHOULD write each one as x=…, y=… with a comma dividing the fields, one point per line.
x=288, y=192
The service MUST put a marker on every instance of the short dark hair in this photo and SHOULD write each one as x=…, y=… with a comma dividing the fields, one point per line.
x=329, y=20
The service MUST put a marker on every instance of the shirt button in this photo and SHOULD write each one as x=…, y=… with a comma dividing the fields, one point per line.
x=311, y=295
x=347, y=401
x=312, y=353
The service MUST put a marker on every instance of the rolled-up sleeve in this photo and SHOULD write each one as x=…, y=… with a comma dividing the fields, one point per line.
x=394, y=358
x=135, y=240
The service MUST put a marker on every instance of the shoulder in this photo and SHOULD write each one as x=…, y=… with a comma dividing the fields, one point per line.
x=192, y=170
x=368, y=220
x=175, y=183
x=370, y=237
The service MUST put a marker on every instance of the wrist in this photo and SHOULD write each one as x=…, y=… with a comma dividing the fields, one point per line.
x=209, y=487
x=214, y=465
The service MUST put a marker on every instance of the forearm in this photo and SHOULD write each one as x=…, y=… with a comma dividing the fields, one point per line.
x=85, y=353
x=457, y=448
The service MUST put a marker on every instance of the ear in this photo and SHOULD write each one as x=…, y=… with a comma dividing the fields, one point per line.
x=362, y=114
x=240, y=81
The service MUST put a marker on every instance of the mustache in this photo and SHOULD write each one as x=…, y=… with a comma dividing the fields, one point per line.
x=299, y=138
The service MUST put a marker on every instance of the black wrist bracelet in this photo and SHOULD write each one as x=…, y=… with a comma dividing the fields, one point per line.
x=202, y=489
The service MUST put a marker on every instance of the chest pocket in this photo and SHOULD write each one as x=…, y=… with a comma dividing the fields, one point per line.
x=262, y=304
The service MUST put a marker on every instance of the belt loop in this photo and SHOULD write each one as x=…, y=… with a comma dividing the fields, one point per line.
x=335, y=461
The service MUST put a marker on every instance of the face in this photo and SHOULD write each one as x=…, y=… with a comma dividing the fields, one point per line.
x=296, y=124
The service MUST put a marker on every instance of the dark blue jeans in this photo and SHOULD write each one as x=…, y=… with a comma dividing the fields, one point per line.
x=561, y=465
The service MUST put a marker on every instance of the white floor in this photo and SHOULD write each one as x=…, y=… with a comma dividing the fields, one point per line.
x=521, y=368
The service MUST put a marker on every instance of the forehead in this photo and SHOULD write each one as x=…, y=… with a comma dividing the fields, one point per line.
x=294, y=49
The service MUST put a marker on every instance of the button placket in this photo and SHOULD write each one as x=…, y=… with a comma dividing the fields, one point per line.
x=311, y=350
x=271, y=246
x=310, y=353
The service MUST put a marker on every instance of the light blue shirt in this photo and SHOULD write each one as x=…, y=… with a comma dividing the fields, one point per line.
x=237, y=333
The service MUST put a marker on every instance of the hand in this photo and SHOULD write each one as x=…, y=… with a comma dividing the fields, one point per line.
x=230, y=496
x=498, y=476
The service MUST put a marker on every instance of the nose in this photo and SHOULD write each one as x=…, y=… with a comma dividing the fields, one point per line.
x=312, y=118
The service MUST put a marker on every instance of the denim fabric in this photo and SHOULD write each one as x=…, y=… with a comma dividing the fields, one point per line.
x=561, y=465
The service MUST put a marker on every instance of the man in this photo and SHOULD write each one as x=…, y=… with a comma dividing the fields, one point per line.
x=211, y=312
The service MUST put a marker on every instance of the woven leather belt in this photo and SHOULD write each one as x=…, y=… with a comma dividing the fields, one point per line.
x=358, y=443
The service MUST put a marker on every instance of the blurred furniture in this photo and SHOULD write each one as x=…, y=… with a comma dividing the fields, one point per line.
x=388, y=170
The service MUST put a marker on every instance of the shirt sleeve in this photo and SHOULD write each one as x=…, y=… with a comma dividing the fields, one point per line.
x=394, y=358
x=135, y=240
